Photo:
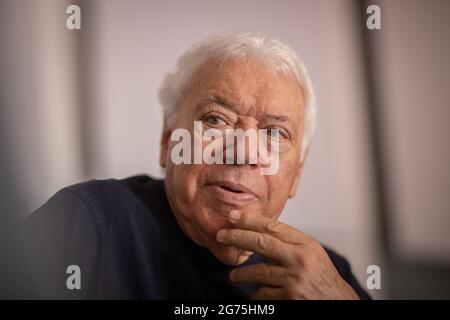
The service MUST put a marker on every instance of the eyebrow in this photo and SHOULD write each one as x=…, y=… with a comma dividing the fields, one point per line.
x=275, y=117
x=220, y=100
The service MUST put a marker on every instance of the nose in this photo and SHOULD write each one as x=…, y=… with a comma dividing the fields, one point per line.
x=246, y=146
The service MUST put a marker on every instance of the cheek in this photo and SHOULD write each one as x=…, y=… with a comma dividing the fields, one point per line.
x=279, y=186
x=185, y=181
x=191, y=199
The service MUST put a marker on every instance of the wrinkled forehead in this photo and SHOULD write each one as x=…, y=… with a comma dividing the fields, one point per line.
x=249, y=85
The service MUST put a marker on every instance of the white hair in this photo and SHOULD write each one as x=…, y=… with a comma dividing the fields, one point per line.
x=276, y=55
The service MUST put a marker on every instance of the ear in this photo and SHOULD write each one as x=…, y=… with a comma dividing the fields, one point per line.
x=164, y=146
x=298, y=175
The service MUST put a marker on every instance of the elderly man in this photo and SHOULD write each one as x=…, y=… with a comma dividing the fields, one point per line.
x=209, y=230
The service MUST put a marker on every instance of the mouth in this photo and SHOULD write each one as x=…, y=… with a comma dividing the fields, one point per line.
x=232, y=193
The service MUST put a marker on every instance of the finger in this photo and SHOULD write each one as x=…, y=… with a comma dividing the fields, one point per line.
x=263, y=273
x=275, y=228
x=264, y=244
x=268, y=293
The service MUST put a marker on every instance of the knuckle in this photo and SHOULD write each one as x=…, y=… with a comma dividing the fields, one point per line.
x=296, y=274
x=263, y=242
x=266, y=271
x=299, y=258
x=310, y=263
x=284, y=275
x=232, y=235
x=315, y=245
x=272, y=227
x=311, y=244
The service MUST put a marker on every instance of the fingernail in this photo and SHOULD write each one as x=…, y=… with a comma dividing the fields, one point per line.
x=220, y=235
x=235, y=215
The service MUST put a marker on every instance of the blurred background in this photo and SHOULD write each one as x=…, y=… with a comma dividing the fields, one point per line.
x=82, y=104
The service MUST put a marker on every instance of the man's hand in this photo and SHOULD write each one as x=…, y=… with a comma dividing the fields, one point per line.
x=299, y=267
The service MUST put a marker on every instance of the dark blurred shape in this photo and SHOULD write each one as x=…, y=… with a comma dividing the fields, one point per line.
x=13, y=267
x=14, y=279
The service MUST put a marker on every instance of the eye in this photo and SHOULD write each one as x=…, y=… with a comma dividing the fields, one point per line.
x=274, y=133
x=214, y=121
x=281, y=134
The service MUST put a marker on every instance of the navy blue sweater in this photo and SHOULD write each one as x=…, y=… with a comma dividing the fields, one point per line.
x=124, y=237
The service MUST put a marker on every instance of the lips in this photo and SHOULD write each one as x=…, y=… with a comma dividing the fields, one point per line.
x=230, y=192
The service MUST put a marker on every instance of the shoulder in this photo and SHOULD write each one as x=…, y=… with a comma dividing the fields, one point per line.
x=98, y=196
x=113, y=194
x=90, y=209
x=67, y=230
x=86, y=224
x=78, y=203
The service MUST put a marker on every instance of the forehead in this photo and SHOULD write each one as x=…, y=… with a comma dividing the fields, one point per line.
x=250, y=86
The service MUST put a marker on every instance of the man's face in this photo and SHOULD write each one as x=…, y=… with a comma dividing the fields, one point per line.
x=236, y=94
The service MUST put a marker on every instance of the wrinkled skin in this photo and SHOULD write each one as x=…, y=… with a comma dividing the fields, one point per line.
x=245, y=94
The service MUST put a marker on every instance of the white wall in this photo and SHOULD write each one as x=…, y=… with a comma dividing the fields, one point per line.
x=412, y=59
x=39, y=76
